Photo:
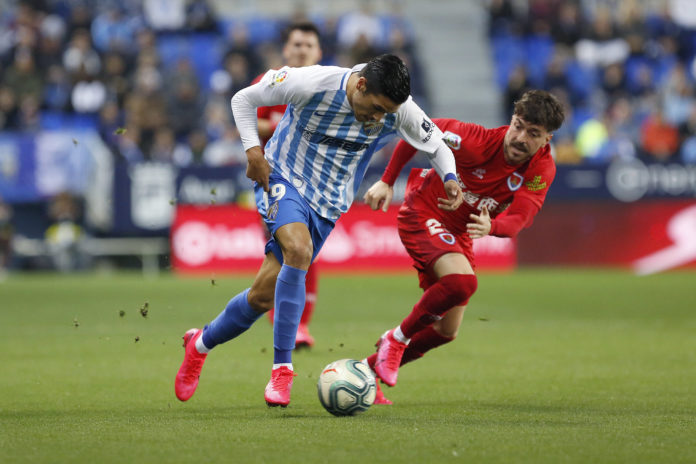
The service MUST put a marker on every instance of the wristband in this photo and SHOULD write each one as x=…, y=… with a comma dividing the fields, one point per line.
x=450, y=176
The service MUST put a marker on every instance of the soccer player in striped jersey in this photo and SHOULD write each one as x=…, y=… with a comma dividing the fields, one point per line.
x=301, y=47
x=505, y=174
x=336, y=119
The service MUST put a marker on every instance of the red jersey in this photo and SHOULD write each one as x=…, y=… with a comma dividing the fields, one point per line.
x=512, y=194
x=272, y=113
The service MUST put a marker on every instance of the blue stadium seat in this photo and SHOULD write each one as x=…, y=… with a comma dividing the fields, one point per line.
x=262, y=29
x=84, y=121
x=203, y=50
x=580, y=115
x=508, y=47
x=51, y=120
x=206, y=56
x=662, y=68
x=55, y=120
x=226, y=26
x=538, y=50
x=581, y=80
x=171, y=47
x=508, y=53
x=633, y=67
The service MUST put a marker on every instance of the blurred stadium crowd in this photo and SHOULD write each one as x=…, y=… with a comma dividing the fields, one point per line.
x=155, y=77
x=624, y=69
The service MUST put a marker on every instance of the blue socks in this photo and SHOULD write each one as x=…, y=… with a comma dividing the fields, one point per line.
x=289, y=303
x=238, y=315
x=235, y=319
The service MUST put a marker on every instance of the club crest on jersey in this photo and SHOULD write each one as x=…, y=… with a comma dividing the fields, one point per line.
x=452, y=140
x=447, y=238
x=272, y=211
x=514, y=181
x=372, y=127
x=278, y=77
x=427, y=126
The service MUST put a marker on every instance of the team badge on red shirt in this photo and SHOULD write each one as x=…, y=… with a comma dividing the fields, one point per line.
x=514, y=181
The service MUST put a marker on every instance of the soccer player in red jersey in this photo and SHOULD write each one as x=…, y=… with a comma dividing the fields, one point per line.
x=505, y=174
x=301, y=47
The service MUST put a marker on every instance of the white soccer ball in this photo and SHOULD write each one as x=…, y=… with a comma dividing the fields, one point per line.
x=346, y=387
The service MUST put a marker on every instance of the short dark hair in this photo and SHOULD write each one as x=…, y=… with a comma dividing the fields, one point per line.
x=540, y=108
x=300, y=26
x=387, y=75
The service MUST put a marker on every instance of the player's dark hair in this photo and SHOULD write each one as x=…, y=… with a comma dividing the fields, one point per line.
x=540, y=108
x=387, y=75
x=300, y=26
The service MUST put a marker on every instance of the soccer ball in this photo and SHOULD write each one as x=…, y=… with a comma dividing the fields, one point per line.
x=346, y=387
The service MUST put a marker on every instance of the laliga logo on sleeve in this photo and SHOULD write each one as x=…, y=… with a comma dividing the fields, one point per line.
x=278, y=77
x=452, y=140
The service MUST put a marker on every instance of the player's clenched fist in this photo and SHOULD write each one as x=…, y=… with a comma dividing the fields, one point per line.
x=258, y=168
x=379, y=196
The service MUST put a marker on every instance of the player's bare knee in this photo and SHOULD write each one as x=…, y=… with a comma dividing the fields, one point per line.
x=447, y=327
x=260, y=301
x=298, y=254
x=448, y=332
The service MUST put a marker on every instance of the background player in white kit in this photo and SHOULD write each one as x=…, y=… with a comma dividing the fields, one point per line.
x=336, y=119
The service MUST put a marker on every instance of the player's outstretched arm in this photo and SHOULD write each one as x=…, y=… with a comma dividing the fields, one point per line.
x=481, y=225
x=379, y=196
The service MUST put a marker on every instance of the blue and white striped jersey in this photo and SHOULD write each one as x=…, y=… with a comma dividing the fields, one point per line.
x=318, y=145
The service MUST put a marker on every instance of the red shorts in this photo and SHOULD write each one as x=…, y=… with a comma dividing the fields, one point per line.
x=426, y=239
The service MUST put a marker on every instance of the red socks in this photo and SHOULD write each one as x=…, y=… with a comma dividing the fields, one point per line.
x=451, y=290
x=421, y=343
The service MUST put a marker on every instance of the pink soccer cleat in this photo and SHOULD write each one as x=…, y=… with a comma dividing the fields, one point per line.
x=190, y=370
x=379, y=397
x=388, y=359
x=277, y=391
x=303, y=338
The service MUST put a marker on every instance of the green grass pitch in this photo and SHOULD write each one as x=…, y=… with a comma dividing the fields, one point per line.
x=550, y=366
